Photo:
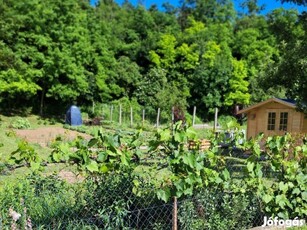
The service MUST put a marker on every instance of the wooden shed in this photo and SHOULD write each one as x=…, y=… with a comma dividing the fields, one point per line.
x=274, y=117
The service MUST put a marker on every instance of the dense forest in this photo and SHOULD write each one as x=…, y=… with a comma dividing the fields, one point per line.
x=202, y=53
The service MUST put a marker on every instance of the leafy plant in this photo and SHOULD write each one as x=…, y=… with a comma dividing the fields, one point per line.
x=101, y=154
x=20, y=123
x=45, y=200
x=213, y=208
x=187, y=166
x=284, y=193
x=26, y=154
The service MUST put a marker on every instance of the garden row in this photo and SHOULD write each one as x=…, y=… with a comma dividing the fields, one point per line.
x=123, y=186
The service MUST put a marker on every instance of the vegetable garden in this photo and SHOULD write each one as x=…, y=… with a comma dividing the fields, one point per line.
x=156, y=180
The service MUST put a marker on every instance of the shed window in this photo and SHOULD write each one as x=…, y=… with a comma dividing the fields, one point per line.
x=271, y=121
x=283, y=122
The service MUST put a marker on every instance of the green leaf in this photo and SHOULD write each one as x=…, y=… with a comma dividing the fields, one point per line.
x=102, y=156
x=304, y=195
x=250, y=166
x=124, y=160
x=103, y=169
x=34, y=165
x=296, y=191
x=281, y=200
x=188, y=191
x=92, y=142
x=111, y=153
x=75, y=156
x=164, y=194
x=179, y=137
x=226, y=174
x=191, y=133
x=165, y=135
x=189, y=160
x=218, y=180
x=267, y=198
x=180, y=185
x=56, y=157
x=92, y=166
x=283, y=187
x=85, y=156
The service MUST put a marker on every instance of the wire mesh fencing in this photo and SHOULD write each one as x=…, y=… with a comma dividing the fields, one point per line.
x=129, y=200
x=110, y=203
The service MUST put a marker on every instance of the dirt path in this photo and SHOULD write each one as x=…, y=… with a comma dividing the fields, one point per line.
x=45, y=135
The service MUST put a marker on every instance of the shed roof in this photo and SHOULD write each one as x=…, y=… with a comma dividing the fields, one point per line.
x=287, y=102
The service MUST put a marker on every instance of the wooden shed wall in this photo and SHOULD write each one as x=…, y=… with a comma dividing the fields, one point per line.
x=305, y=123
x=258, y=119
x=296, y=122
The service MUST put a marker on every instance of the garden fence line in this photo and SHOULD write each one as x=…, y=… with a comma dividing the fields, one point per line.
x=110, y=203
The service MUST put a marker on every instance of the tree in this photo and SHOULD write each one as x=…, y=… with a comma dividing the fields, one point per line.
x=206, y=11
x=17, y=83
x=174, y=60
x=238, y=85
x=298, y=2
x=52, y=44
x=255, y=45
x=291, y=71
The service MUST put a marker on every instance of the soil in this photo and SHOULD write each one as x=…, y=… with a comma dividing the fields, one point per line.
x=45, y=135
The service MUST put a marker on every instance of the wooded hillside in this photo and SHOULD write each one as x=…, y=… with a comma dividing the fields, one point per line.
x=202, y=53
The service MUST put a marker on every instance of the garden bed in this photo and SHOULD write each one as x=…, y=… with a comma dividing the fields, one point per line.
x=45, y=135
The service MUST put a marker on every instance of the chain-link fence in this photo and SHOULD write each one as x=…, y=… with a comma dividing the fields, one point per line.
x=111, y=202
x=207, y=209
x=126, y=200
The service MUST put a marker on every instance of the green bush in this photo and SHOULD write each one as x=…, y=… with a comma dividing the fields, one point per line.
x=228, y=122
x=212, y=208
x=45, y=200
x=284, y=190
x=20, y=123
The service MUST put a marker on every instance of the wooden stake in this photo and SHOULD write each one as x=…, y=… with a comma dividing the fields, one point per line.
x=120, y=114
x=111, y=113
x=143, y=117
x=158, y=118
x=175, y=227
x=131, y=117
x=194, y=115
x=215, y=119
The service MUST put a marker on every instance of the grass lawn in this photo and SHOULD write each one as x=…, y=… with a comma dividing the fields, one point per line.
x=9, y=143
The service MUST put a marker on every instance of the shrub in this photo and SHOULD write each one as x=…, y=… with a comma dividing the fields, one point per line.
x=20, y=123
x=213, y=208
x=47, y=200
x=284, y=190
